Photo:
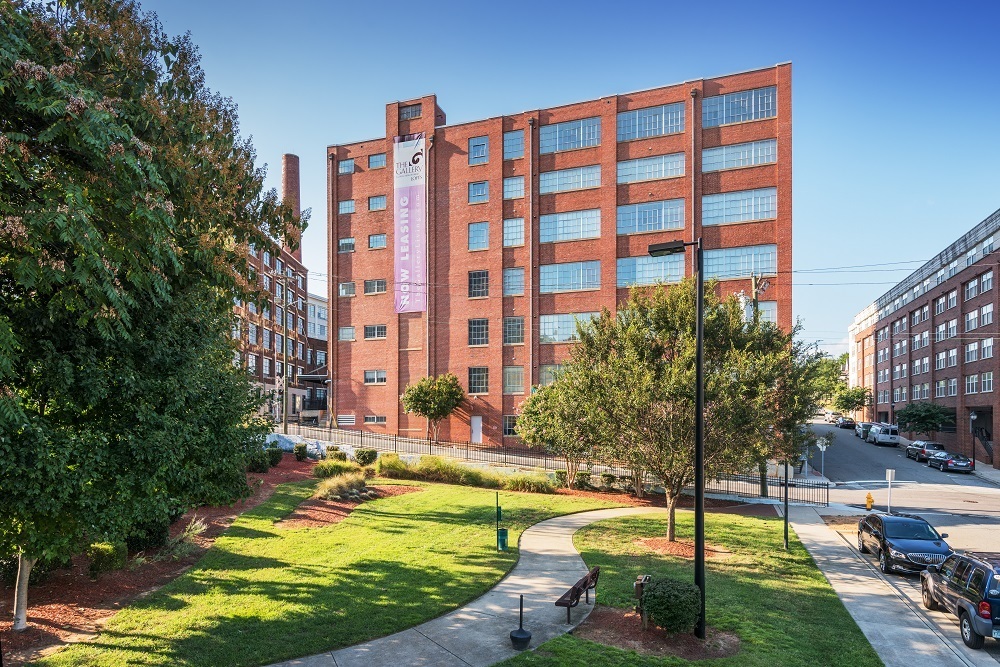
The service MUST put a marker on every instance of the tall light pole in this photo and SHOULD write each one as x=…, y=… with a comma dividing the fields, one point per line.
x=673, y=248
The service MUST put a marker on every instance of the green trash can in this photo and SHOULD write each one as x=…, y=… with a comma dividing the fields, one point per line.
x=501, y=539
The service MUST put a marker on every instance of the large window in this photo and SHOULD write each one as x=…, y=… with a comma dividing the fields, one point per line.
x=345, y=245
x=376, y=161
x=739, y=107
x=375, y=377
x=479, y=236
x=376, y=286
x=479, y=150
x=513, y=187
x=513, y=379
x=741, y=262
x=345, y=206
x=479, y=191
x=479, y=380
x=651, y=122
x=651, y=168
x=578, y=178
x=376, y=203
x=479, y=331
x=547, y=373
x=646, y=270
x=569, y=277
x=479, y=284
x=569, y=135
x=570, y=226
x=345, y=289
x=409, y=111
x=513, y=281
x=739, y=155
x=345, y=333
x=513, y=330
x=513, y=232
x=651, y=216
x=376, y=241
x=739, y=206
x=346, y=166
x=375, y=331
x=561, y=328
x=513, y=144
x=510, y=425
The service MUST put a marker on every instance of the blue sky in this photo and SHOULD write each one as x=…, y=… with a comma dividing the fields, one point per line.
x=896, y=106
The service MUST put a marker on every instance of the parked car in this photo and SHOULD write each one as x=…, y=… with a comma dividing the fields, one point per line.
x=950, y=461
x=902, y=542
x=884, y=434
x=832, y=417
x=845, y=422
x=967, y=585
x=919, y=450
x=861, y=429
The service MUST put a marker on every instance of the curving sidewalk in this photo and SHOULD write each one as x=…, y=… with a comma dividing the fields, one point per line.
x=477, y=635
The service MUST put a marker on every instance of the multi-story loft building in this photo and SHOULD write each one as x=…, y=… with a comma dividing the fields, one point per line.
x=504, y=231
x=317, y=373
x=930, y=338
x=273, y=334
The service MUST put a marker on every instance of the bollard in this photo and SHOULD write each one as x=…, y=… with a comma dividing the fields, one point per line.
x=869, y=501
x=638, y=587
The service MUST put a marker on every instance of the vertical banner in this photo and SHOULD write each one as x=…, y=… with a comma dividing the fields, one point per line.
x=410, y=189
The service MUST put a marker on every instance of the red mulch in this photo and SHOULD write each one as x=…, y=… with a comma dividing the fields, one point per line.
x=623, y=629
x=69, y=606
x=685, y=502
x=684, y=549
x=315, y=513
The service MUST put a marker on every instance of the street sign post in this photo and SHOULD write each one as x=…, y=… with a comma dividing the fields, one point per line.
x=821, y=445
x=890, y=474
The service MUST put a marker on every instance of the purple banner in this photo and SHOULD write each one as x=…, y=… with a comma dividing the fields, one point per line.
x=410, y=192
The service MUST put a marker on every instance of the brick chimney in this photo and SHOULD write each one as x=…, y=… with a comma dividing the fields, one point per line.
x=290, y=193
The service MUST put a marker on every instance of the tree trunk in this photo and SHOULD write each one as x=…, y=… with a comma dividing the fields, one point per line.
x=572, y=465
x=762, y=469
x=24, y=566
x=637, y=482
x=672, y=517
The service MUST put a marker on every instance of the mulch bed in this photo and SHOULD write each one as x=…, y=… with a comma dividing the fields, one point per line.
x=622, y=628
x=69, y=606
x=685, y=502
x=315, y=513
x=682, y=548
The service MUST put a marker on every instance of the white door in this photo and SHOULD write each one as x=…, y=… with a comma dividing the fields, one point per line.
x=477, y=429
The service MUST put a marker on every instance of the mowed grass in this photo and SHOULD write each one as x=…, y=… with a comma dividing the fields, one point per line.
x=778, y=603
x=264, y=594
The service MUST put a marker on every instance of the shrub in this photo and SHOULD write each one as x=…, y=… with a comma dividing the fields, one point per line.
x=301, y=452
x=672, y=604
x=335, y=454
x=107, y=557
x=274, y=455
x=561, y=477
x=334, y=487
x=608, y=480
x=333, y=467
x=182, y=544
x=582, y=480
x=149, y=535
x=393, y=467
x=258, y=461
x=365, y=457
x=530, y=483
x=39, y=572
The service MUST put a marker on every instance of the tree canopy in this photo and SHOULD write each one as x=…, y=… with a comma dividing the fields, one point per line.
x=927, y=418
x=852, y=399
x=433, y=398
x=128, y=201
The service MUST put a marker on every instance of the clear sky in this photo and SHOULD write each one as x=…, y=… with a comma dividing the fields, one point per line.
x=896, y=105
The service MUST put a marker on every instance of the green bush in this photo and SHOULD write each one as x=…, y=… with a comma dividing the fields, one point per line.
x=334, y=487
x=393, y=467
x=608, y=480
x=672, y=604
x=582, y=480
x=258, y=461
x=365, y=457
x=274, y=455
x=333, y=468
x=301, y=453
x=561, y=477
x=335, y=454
x=149, y=535
x=107, y=557
x=529, y=483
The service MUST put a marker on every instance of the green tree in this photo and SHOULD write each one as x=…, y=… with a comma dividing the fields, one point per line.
x=127, y=202
x=830, y=378
x=853, y=399
x=926, y=418
x=433, y=398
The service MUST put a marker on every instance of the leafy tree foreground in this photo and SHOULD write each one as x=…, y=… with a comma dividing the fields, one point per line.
x=127, y=202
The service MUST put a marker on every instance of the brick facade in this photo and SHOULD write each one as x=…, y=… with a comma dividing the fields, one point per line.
x=418, y=344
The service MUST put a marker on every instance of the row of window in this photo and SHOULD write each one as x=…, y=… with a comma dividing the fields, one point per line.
x=974, y=384
x=479, y=379
x=280, y=314
x=945, y=359
x=375, y=242
x=262, y=336
x=266, y=363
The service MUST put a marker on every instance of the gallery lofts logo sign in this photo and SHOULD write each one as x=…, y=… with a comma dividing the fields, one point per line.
x=410, y=238
x=412, y=166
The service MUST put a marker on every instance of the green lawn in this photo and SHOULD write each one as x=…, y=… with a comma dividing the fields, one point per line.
x=264, y=594
x=778, y=603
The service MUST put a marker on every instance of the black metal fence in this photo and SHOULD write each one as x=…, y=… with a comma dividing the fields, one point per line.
x=743, y=486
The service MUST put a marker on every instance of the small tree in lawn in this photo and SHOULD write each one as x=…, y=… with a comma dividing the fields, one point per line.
x=853, y=399
x=433, y=398
x=926, y=418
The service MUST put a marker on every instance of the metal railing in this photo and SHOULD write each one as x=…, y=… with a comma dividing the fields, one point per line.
x=744, y=486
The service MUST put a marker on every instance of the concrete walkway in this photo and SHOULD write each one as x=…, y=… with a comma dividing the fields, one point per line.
x=478, y=634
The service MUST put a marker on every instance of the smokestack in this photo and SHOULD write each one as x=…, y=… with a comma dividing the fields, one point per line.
x=290, y=193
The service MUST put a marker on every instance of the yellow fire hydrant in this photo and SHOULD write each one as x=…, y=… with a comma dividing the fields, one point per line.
x=869, y=501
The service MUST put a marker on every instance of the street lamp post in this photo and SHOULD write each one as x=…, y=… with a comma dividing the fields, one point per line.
x=673, y=248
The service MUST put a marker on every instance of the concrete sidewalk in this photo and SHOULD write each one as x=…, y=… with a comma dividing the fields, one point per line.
x=890, y=614
x=478, y=634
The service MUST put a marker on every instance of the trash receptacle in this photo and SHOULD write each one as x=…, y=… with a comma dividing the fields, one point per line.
x=501, y=539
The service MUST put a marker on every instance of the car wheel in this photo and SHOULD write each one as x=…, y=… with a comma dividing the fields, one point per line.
x=883, y=562
x=928, y=598
x=971, y=638
x=861, y=544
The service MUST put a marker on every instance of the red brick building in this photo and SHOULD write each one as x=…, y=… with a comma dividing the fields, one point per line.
x=930, y=338
x=535, y=218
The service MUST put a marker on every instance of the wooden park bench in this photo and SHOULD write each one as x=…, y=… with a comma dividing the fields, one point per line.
x=571, y=598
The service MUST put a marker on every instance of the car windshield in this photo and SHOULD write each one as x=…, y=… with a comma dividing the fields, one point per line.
x=934, y=446
x=910, y=530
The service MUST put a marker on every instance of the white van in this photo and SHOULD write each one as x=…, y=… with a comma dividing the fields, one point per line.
x=884, y=434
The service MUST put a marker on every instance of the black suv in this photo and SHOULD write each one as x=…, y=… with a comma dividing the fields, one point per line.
x=967, y=585
x=902, y=542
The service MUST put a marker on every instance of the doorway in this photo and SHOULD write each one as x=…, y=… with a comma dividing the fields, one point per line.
x=477, y=430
